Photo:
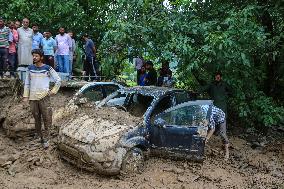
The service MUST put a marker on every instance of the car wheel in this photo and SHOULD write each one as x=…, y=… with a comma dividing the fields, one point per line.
x=133, y=161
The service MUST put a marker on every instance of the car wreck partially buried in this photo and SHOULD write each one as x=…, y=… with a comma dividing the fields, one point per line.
x=151, y=121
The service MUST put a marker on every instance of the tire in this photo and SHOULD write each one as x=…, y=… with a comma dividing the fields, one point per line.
x=133, y=161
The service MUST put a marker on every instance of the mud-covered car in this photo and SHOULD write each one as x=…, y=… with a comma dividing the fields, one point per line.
x=90, y=93
x=96, y=91
x=169, y=122
x=16, y=117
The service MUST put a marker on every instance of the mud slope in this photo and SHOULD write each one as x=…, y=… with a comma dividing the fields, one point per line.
x=24, y=164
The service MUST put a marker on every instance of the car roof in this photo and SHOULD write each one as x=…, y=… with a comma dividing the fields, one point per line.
x=150, y=90
x=98, y=83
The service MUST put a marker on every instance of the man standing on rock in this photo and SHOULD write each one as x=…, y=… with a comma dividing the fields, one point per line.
x=38, y=92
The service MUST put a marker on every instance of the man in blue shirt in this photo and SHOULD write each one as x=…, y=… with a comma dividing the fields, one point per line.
x=91, y=67
x=37, y=37
x=48, y=45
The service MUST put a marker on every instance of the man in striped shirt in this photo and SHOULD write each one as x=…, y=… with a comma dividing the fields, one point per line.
x=38, y=92
x=217, y=125
x=5, y=38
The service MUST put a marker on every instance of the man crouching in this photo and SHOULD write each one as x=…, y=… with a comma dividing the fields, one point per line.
x=38, y=93
x=217, y=125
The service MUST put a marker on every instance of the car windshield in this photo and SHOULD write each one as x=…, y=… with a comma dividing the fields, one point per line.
x=134, y=103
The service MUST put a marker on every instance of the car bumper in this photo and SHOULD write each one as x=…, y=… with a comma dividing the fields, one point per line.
x=82, y=160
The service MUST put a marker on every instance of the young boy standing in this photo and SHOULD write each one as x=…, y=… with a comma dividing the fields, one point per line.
x=38, y=92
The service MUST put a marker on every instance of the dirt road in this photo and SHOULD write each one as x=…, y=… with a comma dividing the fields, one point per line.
x=253, y=164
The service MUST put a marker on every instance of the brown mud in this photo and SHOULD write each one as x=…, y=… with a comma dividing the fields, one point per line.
x=257, y=160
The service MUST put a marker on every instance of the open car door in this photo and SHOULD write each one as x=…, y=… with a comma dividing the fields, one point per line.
x=180, y=131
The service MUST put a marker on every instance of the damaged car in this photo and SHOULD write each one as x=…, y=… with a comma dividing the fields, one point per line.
x=90, y=93
x=151, y=121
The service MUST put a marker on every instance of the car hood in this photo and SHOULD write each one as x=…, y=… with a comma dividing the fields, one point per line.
x=102, y=133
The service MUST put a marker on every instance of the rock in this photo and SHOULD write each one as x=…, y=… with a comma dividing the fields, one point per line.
x=277, y=173
x=255, y=145
x=15, y=156
x=174, y=170
x=181, y=178
x=178, y=170
x=16, y=167
x=3, y=159
x=7, y=163
x=195, y=178
x=148, y=179
x=163, y=181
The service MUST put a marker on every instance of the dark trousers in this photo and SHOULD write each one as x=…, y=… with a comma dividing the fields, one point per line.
x=49, y=60
x=12, y=63
x=138, y=76
x=3, y=60
x=42, y=108
x=91, y=68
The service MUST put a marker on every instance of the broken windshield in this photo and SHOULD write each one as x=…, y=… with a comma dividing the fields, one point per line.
x=134, y=103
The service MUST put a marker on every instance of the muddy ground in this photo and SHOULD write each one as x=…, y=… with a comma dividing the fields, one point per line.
x=257, y=161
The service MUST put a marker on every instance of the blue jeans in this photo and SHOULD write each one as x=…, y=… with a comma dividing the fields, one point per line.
x=63, y=63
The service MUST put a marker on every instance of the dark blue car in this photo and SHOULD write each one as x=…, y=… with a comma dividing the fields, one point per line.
x=173, y=124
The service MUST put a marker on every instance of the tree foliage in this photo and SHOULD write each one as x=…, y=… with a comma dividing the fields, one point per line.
x=242, y=38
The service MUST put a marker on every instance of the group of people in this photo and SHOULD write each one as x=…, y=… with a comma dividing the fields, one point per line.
x=147, y=75
x=17, y=43
x=24, y=46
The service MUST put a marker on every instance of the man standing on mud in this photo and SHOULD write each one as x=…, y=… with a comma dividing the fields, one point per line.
x=217, y=122
x=38, y=92
x=219, y=91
